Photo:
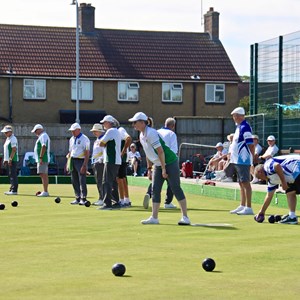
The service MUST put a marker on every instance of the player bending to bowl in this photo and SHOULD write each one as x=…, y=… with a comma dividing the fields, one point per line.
x=284, y=170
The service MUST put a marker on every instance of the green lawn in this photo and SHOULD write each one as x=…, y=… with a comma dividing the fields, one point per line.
x=59, y=251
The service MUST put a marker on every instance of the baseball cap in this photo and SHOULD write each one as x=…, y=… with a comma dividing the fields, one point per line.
x=271, y=138
x=238, y=110
x=36, y=127
x=97, y=127
x=6, y=128
x=74, y=126
x=229, y=136
x=108, y=118
x=139, y=116
x=133, y=145
x=219, y=145
x=254, y=136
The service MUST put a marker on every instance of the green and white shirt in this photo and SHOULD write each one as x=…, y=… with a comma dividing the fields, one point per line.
x=10, y=143
x=112, y=151
x=43, y=140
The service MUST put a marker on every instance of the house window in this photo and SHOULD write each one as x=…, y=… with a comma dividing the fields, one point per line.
x=34, y=89
x=172, y=92
x=128, y=91
x=85, y=90
x=215, y=93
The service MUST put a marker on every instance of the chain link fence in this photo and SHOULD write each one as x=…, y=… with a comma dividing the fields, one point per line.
x=275, y=88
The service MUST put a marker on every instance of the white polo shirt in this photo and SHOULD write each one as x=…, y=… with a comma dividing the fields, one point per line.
x=10, y=143
x=169, y=137
x=97, y=156
x=78, y=145
x=43, y=140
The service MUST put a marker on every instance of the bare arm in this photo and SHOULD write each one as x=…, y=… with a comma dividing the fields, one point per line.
x=267, y=202
x=161, y=156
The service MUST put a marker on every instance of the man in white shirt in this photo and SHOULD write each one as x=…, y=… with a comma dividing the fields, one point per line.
x=79, y=152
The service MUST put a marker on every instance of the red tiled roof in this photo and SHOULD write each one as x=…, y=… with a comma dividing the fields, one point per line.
x=108, y=53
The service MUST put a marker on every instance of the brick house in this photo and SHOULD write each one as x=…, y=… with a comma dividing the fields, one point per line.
x=121, y=72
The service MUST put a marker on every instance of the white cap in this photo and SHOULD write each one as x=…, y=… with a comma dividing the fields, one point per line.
x=36, y=127
x=6, y=128
x=254, y=136
x=74, y=126
x=97, y=127
x=139, y=116
x=271, y=138
x=238, y=110
x=133, y=145
x=219, y=145
x=229, y=136
x=108, y=118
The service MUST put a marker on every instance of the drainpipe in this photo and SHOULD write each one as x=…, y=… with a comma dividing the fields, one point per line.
x=195, y=77
x=11, y=72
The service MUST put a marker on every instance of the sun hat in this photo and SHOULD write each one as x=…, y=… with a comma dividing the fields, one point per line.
x=139, y=116
x=97, y=127
x=229, y=136
x=219, y=145
x=254, y=136
x=239, y=111
x=74, y=126
x=6, y=128
x=36, y=127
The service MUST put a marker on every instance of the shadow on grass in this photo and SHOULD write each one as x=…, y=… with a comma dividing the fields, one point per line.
x=176, y=210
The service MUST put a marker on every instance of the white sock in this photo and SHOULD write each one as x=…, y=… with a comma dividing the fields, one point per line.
x=292, y=214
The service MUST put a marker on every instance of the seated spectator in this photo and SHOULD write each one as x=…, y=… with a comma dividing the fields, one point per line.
x=213, y=164
x=134, y=158
x=272, y=149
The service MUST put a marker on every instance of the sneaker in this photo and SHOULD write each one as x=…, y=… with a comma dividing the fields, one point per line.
x=170, y=205
x=184, y=221
x=75, y=202
x=150, y=220
x=227, y=179
x=288, y=220
x=246, y=211
x=127, y=204
x=146, y=201
x=239, y=208
x=11, y=193
x=116, y=205
x=99, y=203
x=82, y=201
x=134, y=174
x=43, y=194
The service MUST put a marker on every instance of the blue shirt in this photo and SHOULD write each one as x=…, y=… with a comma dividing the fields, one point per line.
x=241, y=153
x=290, y=165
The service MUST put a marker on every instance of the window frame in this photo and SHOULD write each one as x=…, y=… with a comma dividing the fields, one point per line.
x=35, y=88
x=130, y=86
x=82, y=82
x=174, y=87
x=216, y=90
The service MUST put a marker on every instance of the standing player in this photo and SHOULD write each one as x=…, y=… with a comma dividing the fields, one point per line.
x=11, y=159
x=112, y=161
x=241, y=156
x=165, y=166
x=97, y=161
x=78, y=156
x=42, y=156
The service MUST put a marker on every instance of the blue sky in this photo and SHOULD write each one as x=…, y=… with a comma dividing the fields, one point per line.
x=242, y=23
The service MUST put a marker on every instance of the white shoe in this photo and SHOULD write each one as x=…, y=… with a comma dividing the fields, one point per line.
x=220, y=173
x=184, y=221
x=239, y=208
x=43, y=194
x=82, y=202
x=246, y=211
x=75, y=202
x=134, y=174
x=99, y=203
x=227, y=179
x=11, y=193
x=170, y=205
x=150, y=220
x=146, y=201
x=254, y=181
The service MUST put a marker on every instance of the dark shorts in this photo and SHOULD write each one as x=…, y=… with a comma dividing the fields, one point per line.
x=243, y=173
x=294, y=186
x=122, y=170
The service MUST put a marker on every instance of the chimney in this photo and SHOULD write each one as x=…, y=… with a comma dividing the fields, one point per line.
x=211, y=23
x=86, y=18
